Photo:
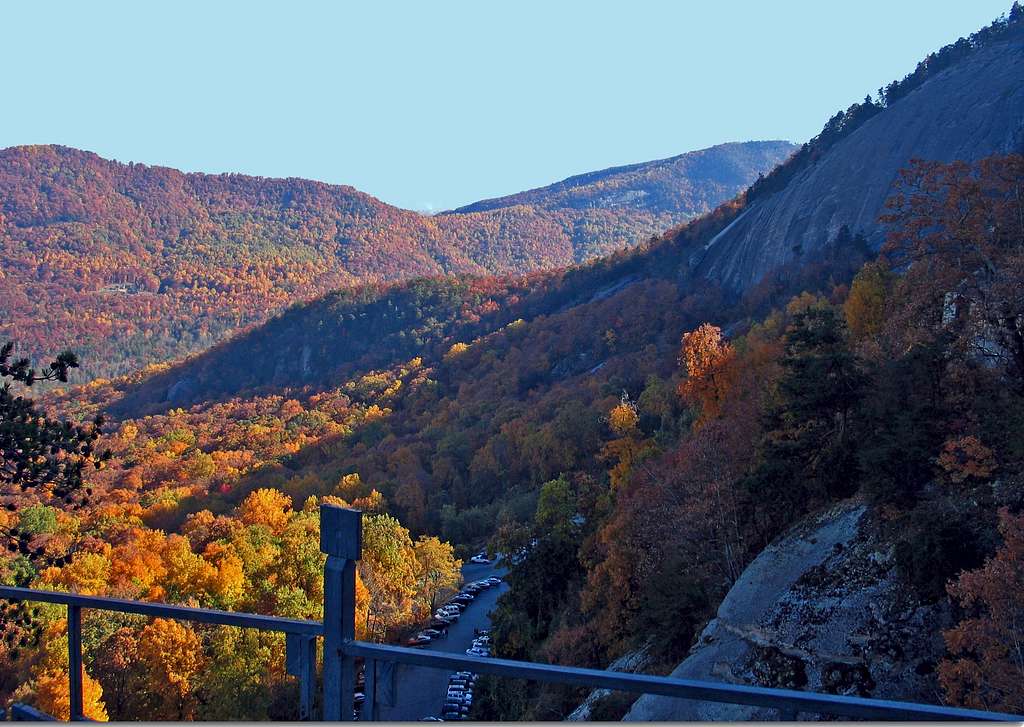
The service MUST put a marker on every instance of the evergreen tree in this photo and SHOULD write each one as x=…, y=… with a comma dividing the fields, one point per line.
x=808, y=453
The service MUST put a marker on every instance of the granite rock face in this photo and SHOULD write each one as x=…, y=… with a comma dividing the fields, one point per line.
x=969, y=111
x=822, y=609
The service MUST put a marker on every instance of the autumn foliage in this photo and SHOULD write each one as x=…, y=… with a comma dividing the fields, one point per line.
x=135, y=265
x=633, y=480
x=709, y=375
x=986, y=668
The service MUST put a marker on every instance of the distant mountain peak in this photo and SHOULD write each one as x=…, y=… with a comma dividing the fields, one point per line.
x=658, y=186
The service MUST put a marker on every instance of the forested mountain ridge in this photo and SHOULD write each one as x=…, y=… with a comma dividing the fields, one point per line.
x=134, y=264
x=677, y=185
x=841, y=178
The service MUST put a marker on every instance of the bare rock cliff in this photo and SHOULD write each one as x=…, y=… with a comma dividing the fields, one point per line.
x=821, y=609
x=969, y=111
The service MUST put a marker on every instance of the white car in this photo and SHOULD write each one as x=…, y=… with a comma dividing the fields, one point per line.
x=480, y=558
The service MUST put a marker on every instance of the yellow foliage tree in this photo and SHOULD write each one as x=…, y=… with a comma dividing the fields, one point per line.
x=623, y=418
x=865, y=305
x=188, y=574
x=267, y=507
x=87, y=573
x=456, y=350
x=53, y=697
x=437, y=569
x=173, y=656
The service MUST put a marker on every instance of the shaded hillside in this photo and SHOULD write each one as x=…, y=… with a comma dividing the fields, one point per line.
x=707, y=269
x=131, y=264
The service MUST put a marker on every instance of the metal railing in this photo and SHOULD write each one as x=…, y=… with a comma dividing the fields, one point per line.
x=341, y=540
x=300, y=635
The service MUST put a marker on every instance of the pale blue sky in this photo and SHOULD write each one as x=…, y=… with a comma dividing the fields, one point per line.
x=433, y=105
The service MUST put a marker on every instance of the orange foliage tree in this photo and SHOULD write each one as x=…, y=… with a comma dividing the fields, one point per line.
x=708, y=360
x=986, y=670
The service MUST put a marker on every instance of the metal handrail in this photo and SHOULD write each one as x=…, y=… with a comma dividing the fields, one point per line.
x=341, y=540
x=299, y=644
x=789, y=701
x=168, y=610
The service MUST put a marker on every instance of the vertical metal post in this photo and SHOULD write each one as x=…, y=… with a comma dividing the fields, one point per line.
x=75, y=662
x=369, y=713
x=307, y=679
x=341, y=538
x=300, y=661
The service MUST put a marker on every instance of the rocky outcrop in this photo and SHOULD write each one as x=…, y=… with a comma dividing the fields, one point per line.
x=971, y=110
x=822, y=609
x=632, y=662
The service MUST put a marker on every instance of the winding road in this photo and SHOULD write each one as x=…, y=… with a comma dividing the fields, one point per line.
x=419, y=691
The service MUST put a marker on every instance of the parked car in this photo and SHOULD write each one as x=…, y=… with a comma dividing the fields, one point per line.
x=418, y=640
x=494, y=580
x=481, y=558
x=431, y=632
x=430, y=718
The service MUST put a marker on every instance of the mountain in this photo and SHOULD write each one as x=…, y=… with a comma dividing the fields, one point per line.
x=637, y=429
x=131, y=264
x=720, y=265
x=666, y=188
x=964, y=102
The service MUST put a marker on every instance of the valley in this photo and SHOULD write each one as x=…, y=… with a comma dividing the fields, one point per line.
x=750, y=414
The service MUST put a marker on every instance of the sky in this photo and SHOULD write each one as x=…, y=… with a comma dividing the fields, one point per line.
x=432, y=105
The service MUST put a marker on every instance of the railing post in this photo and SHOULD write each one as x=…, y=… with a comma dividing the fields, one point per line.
x=300, y=661
x=369, y=713
x=75, y=663
x=341, y=538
